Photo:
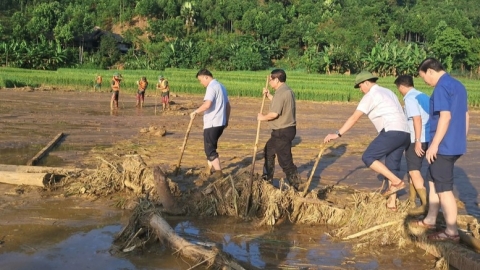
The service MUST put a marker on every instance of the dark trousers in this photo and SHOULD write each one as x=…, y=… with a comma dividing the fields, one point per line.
x=280, y=145
x=390, y=145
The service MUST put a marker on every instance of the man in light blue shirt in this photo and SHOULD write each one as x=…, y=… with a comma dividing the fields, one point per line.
x=416, y=110
x=216, y=109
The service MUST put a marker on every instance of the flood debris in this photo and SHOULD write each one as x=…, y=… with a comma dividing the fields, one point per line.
x=353, y=215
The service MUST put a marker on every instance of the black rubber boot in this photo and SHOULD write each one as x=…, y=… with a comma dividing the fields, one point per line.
x=268, y=169
x=294, y=179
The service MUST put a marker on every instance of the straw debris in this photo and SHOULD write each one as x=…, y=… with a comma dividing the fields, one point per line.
x=354, y=215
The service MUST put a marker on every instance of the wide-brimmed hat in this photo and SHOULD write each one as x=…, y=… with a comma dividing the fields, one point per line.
x=364, y=76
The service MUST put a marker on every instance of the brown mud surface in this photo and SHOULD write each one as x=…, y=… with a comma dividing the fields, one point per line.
x=32, y=219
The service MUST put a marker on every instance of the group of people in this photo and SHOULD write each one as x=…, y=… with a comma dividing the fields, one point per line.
x=142, y=84
x=433, y=127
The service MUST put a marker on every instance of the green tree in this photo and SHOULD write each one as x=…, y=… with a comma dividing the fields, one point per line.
x=450, y=46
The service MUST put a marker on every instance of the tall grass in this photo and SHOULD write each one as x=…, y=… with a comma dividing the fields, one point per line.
x=238, y=83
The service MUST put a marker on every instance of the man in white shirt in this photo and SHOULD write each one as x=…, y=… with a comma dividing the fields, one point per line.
x=216, y=109
x=382, y=107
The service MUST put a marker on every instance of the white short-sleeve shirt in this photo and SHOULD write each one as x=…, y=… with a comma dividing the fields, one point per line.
x=216, y=115
x=382, y=107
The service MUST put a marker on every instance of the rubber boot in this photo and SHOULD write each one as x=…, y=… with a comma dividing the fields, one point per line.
x=216, y=175
x=413, y=194
x=294, y=179
x=268, y=169
x=422, y=209
x=208, y=170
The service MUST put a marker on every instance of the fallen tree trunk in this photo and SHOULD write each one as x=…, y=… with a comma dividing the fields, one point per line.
x=39, y=169
x=34, y=176
x=30, y=179
x=186, y=249
x=458, y=257
x=170, y=206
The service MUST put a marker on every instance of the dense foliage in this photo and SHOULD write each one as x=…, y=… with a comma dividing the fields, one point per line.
x=319, y=36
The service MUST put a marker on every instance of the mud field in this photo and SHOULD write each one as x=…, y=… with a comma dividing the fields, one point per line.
x=50, y=227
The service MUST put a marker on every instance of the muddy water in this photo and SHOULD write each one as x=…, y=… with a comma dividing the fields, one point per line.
x=37, y=230
x=76, y=234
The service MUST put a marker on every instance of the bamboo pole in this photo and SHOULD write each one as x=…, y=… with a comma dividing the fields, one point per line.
x=177, y=168
x=255, y=148
x=304, y=192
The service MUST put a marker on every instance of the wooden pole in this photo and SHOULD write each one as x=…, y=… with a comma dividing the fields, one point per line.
x=156, y=97
x=313, y=170
x=44, y=151
x=40, y=169
x=19, y=178
x=177, y=168
x=255, y=148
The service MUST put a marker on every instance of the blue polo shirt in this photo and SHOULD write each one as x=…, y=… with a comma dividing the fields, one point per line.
x=450, y=95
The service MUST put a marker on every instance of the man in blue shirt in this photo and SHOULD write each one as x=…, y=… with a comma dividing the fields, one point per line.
x=416, y=108
x=449, y=123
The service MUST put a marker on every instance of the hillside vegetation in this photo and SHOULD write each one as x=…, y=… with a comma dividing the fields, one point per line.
x=330, y=36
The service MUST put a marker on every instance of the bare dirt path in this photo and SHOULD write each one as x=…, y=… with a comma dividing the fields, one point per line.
x=30, y=119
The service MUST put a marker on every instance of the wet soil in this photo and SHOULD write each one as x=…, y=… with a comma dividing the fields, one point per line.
x=38, y=222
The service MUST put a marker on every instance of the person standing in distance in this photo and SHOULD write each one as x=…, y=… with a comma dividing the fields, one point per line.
x=164, y=88
x=417, y=106
x=97, y=83
x=282, y=120
x=142, y=87
x=115, y=85
x=381, y=105
x=449, y=124
x=216, y=109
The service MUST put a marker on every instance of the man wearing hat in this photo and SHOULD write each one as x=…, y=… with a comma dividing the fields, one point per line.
x=164, y=88
x=382, y=107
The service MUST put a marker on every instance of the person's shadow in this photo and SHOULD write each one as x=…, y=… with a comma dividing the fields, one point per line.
x=326, y=160
x=467, y=193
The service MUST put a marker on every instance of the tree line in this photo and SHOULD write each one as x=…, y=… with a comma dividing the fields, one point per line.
x=389, y=37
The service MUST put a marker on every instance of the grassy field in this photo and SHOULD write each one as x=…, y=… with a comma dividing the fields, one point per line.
x=314, y=87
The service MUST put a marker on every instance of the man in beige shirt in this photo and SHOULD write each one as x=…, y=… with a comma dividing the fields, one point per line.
x=282, y=120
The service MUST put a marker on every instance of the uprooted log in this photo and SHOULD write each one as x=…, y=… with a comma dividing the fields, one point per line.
x=165, y=196
x=147, y=224
x=33, y=175
x=29, y=179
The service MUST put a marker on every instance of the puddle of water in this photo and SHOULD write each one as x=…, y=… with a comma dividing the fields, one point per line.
x=287, y=247
x=18, y=155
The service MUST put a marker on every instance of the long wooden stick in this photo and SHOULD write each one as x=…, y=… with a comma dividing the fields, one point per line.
x=184, y=145
x=156, y=96
x=304, y=192
x=255, y=148
x=372, y=229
